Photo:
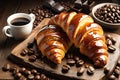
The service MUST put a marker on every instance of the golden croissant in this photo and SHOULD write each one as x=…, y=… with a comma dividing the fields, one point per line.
x=85, y=34
x=53, y=43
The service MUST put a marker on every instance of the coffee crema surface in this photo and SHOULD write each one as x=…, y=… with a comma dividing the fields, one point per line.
x=20, y=21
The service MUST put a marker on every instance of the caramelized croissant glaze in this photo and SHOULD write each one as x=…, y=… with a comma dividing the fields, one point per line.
x=53, y=43
x=85, y=34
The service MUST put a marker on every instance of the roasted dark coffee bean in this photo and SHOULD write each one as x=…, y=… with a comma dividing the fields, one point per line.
x=106, y=70
x=71, y=62
x=6, y=67
x=118, y=63
x=43, y=77
x=109, y=42
x=79, y=63
x=111, y=48
x=31, y=51
x=90, y=70
x=22, y=70
x=12, y=69
x=80, y=71
x=22, y=78
x=34, y=71
x=108, y=11
x=76, y=58
x=18, y=75
x=37, y=77
x=117, y=72
x=32, y=58
x=112, y=77
x=27, y=72
x=70, y=56
x=117, y=67
x=65, y=68
x=113, y=41
x=23, y=53
x=30, y=77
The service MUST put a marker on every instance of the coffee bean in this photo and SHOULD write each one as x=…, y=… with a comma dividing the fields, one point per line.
x=111, y=48
x=112, y=77
x=27, y=72
x=37, y=77
x=12, y=69
x=22, y=70
x=31, y=51
x=43, y=77
x=65, y=68
x=76, y=58
x=78, y=4
x=106, y=70
x=80, y=71
x=117, y=72
x=30, y=77
x=18, y=75
x=118, y=63
x=90, y=70
x=70, y=56
x=6, y=67
x=79, y=63
x=109, y=42
x=22, y=78
x=34, y=71
x=32, y=58
x=71, y=62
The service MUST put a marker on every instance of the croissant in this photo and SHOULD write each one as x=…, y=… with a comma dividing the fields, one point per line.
x=53, y=43
x=85, y=34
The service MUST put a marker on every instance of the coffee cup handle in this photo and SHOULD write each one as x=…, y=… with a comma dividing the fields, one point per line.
x=32, y=16
x=6, y=31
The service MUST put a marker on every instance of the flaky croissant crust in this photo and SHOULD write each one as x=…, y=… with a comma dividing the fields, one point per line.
x=85, y=34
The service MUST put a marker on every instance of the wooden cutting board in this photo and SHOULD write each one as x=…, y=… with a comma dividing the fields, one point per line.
x=55, y=70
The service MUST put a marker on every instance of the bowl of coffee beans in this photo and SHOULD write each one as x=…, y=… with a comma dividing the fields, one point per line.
x=107, y=15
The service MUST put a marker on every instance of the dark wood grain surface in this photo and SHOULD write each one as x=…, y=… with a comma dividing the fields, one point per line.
x=8, y=7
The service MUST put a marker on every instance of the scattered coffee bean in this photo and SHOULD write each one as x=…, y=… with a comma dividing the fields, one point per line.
x=18, y=75
x=37, y=77
x=117, y=72
x=70, y=56
x=22, y=70
x=109, y=42
x=43, y=77
x=111, y=48
x=32, y=58
x=30, y=77
x=31, y=51
x=118, y=63
x=79, y=63
x=71, y=62
x=65, y=68
x=90, y=70
x=112, y=77
x=22, y=78
x=106, y=70
x=6, y=67
x=80, y=71
x=76, y=58
x=34, y=71
x=27, y=72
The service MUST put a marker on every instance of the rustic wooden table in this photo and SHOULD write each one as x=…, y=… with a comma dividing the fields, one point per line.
x=8, y=7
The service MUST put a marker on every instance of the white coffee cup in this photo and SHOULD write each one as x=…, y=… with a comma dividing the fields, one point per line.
x=19, y=25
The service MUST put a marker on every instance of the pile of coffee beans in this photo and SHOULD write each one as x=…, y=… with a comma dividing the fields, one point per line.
x=109, y=13
x=22, y=73
x=110, y=43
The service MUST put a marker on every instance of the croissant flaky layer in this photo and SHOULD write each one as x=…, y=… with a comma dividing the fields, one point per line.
x=53, y=43
x=85, y=34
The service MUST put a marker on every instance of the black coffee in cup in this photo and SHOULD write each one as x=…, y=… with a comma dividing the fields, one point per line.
x=20, y=21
